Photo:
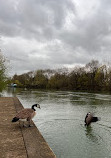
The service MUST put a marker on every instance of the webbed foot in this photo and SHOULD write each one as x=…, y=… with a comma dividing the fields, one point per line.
x=25, y=126
x=30, y=125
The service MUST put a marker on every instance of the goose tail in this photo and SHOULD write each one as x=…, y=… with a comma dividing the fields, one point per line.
x=15, y=119
x=95, y=119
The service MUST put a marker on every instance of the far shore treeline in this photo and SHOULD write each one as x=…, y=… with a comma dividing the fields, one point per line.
x=92, y=77
x=3, y=71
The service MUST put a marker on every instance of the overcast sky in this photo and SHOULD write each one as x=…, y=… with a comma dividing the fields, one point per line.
x=41, y=34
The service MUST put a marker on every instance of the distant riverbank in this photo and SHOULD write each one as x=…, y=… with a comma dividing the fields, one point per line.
x=92, y=77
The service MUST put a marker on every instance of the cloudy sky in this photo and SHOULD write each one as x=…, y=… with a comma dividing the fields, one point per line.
x=41, y=34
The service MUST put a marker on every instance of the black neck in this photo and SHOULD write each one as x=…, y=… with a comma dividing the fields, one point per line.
x=33, y=107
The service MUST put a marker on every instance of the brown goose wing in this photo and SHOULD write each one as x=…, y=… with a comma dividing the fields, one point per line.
x=25, y=113
x=88, y=119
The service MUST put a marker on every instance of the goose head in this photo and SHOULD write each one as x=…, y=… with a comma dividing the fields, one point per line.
x=35, y=105
x=38, y=106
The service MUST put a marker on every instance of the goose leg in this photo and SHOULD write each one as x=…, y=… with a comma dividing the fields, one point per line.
x=24, y=125
x=30, y=125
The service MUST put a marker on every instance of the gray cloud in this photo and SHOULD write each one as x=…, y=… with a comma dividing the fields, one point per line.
x=33, y=18
x=46, y=34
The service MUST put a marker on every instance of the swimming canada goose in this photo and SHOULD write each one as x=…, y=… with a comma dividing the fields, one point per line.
x=90, y=118
x=26, y=115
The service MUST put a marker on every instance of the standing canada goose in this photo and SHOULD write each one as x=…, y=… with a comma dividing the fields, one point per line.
x=26, y=114
x=90, y=118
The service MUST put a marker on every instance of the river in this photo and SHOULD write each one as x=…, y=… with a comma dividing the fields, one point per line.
x=61, y=121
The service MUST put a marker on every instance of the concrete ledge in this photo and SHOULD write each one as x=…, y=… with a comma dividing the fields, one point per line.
x=17, y=141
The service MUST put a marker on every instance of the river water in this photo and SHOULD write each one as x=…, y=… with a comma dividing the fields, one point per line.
x=61, y=121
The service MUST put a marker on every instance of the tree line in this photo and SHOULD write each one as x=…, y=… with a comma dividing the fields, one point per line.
x=3, y=71
x=91, y=77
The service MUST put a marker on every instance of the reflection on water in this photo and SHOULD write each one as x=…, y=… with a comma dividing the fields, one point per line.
x=61, y=121
x=90, y=134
